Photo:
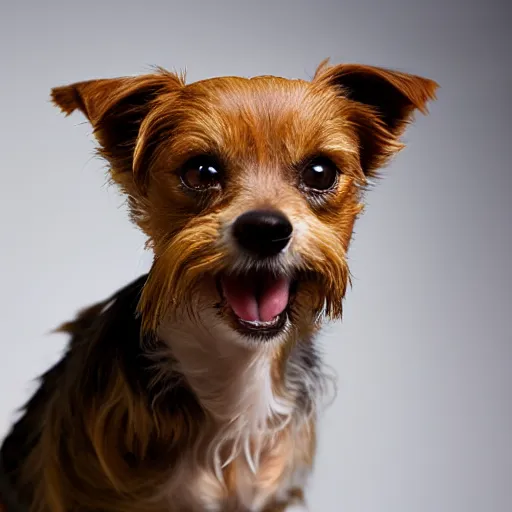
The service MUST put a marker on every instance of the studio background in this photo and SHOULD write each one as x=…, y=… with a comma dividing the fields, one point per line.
x=423, y=417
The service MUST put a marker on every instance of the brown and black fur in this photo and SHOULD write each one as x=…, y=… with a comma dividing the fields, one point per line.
x=120, y=415
x=112, y=411
x=115, y=411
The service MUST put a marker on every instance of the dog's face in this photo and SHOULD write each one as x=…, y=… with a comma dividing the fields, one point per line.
x=248, y=189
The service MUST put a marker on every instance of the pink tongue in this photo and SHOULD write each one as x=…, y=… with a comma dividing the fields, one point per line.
x=274, y=298
x=241, y=296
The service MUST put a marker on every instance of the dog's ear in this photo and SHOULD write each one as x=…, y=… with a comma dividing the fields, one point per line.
x=386, y=101
x=116, y=108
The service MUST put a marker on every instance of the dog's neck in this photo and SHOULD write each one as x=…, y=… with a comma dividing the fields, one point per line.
x=231, y=379
x=247, y=390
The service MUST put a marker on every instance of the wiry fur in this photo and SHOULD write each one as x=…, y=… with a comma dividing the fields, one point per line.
x=159, y=403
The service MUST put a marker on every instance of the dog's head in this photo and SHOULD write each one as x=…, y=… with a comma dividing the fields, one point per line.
x=248, y=189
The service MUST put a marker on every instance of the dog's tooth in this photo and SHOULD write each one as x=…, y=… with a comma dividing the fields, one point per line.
x=270, y=323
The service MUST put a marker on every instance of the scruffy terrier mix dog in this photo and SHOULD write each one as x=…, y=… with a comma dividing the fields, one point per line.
x=196, y=387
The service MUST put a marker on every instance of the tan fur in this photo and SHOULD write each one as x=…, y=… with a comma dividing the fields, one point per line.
x=261, y=130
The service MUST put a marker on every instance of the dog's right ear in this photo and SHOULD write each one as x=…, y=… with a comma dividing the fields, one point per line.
x=116, y=107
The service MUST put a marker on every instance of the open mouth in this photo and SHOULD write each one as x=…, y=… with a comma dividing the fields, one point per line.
x=258, y=302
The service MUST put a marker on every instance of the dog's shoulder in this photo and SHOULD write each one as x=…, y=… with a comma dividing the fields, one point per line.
x=97, y=330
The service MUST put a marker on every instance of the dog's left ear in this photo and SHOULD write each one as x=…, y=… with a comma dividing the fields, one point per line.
x=116, y=109
x=386, y=102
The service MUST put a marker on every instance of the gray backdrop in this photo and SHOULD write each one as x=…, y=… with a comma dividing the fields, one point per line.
x=423, y=418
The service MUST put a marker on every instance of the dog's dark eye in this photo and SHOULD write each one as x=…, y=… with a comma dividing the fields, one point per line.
x=319, y=174
x=201, y=173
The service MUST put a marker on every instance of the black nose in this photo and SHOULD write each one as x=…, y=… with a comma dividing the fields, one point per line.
x=264, y=233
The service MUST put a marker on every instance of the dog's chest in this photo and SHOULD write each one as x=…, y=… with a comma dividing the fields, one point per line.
x=279, y=472
x=271, y=439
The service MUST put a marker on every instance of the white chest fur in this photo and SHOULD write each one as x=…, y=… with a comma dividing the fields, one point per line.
x=234, y=384
x=200, y=490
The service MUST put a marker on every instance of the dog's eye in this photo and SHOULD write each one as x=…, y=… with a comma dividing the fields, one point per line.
x=201, y=173
x=319, y=174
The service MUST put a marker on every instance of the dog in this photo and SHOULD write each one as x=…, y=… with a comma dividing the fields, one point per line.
x=197, y=387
